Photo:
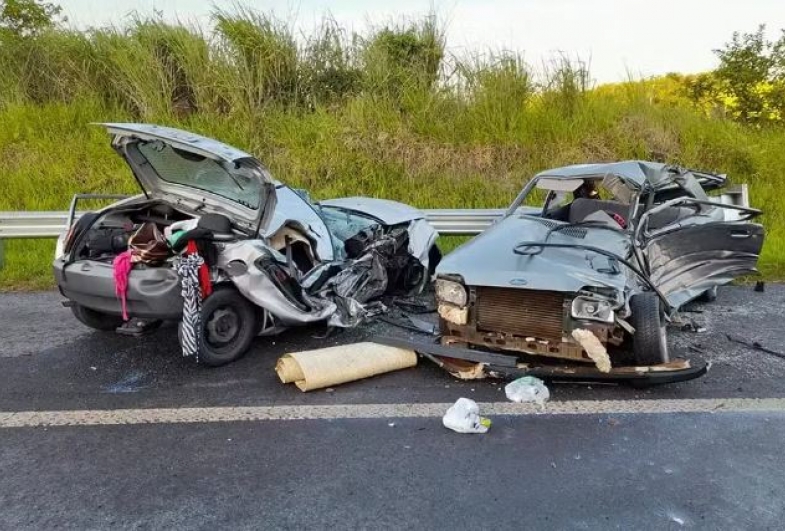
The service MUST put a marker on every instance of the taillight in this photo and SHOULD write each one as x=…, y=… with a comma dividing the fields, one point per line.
x=68, y=241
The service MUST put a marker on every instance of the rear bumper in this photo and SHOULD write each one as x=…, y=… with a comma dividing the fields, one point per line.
x=153, y=292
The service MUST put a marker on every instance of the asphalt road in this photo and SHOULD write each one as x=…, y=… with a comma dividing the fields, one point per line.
x=588, y=470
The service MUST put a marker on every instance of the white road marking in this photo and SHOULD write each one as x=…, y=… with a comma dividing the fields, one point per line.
x=98, y=417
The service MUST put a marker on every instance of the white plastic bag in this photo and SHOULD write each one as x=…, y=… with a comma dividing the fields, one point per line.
x=527, y=389
x=464, y=417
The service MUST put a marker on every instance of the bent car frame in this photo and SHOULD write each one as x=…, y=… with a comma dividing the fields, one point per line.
x=612, y=250
x=274, y=259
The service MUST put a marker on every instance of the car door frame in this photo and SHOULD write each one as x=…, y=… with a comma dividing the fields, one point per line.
x=693, y=254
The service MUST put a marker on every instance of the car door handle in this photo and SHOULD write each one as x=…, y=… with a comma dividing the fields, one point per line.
x=739, y=234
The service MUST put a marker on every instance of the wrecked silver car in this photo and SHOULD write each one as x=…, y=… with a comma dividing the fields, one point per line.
x=215, y=241
x=595, y=272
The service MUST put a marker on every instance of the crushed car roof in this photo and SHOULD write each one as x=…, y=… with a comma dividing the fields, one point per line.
x=196, y=142
x=635, y=172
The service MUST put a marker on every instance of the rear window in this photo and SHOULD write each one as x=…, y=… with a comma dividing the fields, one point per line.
x=240, y=184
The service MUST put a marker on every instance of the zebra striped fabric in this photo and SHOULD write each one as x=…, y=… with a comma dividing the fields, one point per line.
x=187, y=268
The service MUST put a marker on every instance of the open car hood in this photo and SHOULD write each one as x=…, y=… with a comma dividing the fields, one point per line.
x=197, y=172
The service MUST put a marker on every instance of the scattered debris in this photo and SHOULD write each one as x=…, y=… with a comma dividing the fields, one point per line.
x=594, y=349
x=464, y=417
x=453, y=314
x=423, y=325
x=462, y=369
x=410, y=323
x=527, y=389
x=687, y=324
x=137, y=327
x=327, y=367
x=755, y=345
x=454, y=352
x=676, y=519
x=414, y=306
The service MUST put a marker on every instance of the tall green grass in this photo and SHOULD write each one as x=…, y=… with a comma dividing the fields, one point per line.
x=388, y=113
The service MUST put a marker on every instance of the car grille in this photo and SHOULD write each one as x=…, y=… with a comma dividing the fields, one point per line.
x=527, y=313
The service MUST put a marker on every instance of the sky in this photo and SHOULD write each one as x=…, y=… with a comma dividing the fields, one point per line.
x=618, y=38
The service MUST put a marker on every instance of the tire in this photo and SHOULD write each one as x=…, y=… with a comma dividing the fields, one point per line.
x=95, y=319
x=650, y=342
x=229, y=324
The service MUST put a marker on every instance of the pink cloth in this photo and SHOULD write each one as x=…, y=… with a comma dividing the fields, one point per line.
x=122, y=268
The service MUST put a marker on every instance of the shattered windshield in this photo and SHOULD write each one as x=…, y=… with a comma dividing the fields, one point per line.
x=241, y=183
x=344, y=225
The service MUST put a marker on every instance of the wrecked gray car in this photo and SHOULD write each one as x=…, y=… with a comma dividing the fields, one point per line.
x=263, y=257
x=595, y=272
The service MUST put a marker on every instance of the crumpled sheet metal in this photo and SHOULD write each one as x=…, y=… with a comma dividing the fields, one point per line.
x=257, y=287
x=347, y=297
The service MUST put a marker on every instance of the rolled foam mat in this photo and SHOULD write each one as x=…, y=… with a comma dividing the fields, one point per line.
x=326, y=367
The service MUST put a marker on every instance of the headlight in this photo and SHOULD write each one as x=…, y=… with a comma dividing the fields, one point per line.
x=592, y=309
x=452, y=292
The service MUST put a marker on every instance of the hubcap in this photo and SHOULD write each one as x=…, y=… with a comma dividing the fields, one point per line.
x=222, y=326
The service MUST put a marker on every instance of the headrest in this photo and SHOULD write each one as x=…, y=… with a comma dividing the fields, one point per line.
x=216, y=223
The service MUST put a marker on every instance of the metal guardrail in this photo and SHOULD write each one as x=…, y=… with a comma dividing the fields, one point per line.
x=52, y=224
x=465, y=222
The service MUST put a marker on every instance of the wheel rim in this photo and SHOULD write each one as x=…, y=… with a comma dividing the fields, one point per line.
x=222, y=327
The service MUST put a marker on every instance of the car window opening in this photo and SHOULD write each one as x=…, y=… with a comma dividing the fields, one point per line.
x=176, y=166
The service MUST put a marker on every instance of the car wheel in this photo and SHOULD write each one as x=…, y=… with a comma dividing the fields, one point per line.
x=97, y=320
x=650, y=342
x=229, y=324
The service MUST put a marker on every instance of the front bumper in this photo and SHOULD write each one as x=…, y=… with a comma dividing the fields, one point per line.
x=478, y=363
x=153, y=292
x=526, y=321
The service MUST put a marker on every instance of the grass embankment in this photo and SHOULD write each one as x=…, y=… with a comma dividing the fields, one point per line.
x=385, y=116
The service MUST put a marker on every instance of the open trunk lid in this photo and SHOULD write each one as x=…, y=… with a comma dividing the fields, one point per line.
x=197, y=172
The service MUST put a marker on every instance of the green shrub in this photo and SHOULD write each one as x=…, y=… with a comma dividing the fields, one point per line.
x=384, y=114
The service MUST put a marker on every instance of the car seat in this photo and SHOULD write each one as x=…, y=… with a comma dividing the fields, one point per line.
x=583, y=207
